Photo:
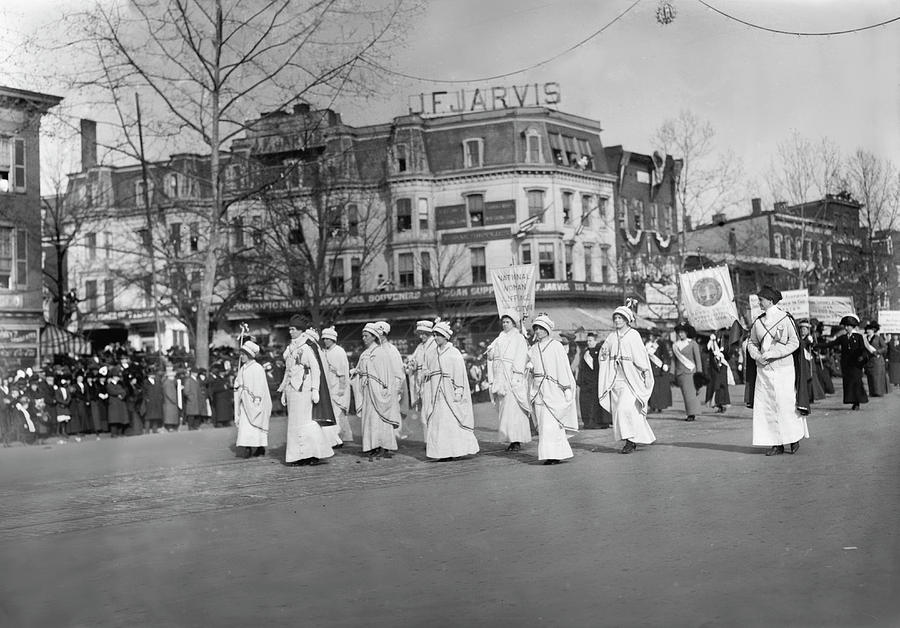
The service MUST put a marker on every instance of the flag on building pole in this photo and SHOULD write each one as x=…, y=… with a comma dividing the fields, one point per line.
x=528, y=225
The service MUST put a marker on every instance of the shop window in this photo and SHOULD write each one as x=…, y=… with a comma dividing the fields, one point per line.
x=479, y=266
x=546, y=261
x=404, y=215
x=406, y=273
x=473, y=153
x=475, y=207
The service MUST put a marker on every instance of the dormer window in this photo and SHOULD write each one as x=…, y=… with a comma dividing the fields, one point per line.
x=473, y=153
x=533, y=150
x=402, y=158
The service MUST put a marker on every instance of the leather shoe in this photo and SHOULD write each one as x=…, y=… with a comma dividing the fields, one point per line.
x=690, y=418
x=777, y=450
x=795, y=447
x=628, y=448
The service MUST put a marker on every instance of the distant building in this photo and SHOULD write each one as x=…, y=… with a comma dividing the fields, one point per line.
x=460, y=194
x=21, y=301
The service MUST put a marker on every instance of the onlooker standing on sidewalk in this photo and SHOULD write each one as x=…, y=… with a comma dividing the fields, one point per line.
x=687, y=362
x=171, y=401
x=195, y=399
x=222, y=394
x=117, y=412
x=779, y=404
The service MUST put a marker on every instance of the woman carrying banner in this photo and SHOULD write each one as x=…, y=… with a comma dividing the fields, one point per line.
x=507, y=356
x=685, y=363
x=552, y=393
x=776, y=377
x=625, y=381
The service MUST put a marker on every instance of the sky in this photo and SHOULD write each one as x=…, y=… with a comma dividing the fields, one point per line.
x=754, y=87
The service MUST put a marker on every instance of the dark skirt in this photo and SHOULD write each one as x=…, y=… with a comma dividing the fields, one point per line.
x=894, y=373
x=661, y=397
x=854, y=391
x=689, y=394
x=876, y=376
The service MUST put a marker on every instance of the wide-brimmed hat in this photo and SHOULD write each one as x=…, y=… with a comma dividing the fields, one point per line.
x=873, y=325
x=543, y=321
x=250, y=348
x=850, y=319
x=770, y=293
x=443, y=329
x=687, y=328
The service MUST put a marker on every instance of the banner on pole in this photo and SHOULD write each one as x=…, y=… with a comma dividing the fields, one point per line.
x=514, y=290
x=830, y=310
x=889, y=321
x=794, y=301
x=708, y=298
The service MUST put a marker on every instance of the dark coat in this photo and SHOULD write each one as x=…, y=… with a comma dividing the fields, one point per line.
x=854, y=357
x=152, y=403
x=117, y=409
x=195, y=397
x=323, y=412
x=222, y=397
x=801, y=375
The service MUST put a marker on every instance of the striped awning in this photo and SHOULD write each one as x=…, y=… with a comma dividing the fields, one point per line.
x=56, y=340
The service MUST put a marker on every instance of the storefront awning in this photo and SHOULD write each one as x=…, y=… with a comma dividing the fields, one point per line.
x=58, y=340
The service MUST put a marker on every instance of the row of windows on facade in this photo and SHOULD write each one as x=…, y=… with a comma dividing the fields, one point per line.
x=796, y=248
x=13, y=258
x=650, y=216
x=92, y=302
x=12, y=164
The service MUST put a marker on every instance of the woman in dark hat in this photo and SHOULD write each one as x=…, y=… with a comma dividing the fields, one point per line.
x=876, y=373
x=777, y=378
x=687, y=362
x=854, y=355
x=893, y=359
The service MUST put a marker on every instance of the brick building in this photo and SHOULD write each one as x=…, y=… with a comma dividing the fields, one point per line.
x=21, y=300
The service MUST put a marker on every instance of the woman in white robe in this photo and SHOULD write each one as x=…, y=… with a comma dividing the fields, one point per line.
x=415, y=370
x=773, y=340
x=507, y=357
x=337, y=374
x=378, y=406
x=305, y=441
x=450, y=424
x=252, y=403
x=398, y=377
x=552, y=393
x=625, y=382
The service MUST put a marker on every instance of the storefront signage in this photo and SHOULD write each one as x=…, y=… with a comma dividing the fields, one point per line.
x=496, y=97
x=450, y=216
x=500, y=212
x=18, y=337
x=19, y=348
x=482, y=235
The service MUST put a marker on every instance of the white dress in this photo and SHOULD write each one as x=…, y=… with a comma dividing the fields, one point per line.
x=776, y=420
x=450, y=424
x=252, y=405
x=509, y=356
x=305, y=438
x=337, y=374
x=552, y=394
x=624, y=385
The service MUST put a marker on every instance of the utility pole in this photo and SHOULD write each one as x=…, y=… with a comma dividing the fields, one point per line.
x=149, y=214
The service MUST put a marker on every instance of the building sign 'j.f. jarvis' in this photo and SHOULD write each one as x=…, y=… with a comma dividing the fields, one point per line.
x=485, y=99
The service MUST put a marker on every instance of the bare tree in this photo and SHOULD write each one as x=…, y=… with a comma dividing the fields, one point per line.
x=875, y=183
x=206, y=66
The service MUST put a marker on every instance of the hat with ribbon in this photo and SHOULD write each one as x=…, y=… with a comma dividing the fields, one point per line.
x=383, y=327
x=329, y=333
x=424, y=326
x=543, y=321
x=625, y=312
x=250, y=348
x=371, y=328
x=443, y=328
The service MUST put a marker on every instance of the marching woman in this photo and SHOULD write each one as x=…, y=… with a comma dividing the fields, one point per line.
x=814, y=383
x=776, y=378
x=875, y=370
x=507, y=356
x=305, y=443
x=450, y=424
x=660, y=358
x=717, y=389
x=377, y=396
x=893, y=359
x=415, y=369
x=686, y=363
x=551, y=393
x=398, y=378
x=854, y=355
x=252, y=403
x=625, y=381
x=337, y=374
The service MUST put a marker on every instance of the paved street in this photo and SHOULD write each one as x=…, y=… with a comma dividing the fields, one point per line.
x=699, y=529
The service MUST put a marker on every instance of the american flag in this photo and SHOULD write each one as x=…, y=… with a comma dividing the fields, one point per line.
x=528, y=224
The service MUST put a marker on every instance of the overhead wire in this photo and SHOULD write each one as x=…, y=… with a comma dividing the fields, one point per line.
x=494, y=77
x=779, y=31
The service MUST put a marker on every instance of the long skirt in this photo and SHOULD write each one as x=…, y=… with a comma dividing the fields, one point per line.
x=305, y=438
x=824, y=375
x=446, y=438
x=775, y=417
x=629, y=419
x=340, y=432
x=875, y=374
x=514, y=424
x=685, y=382
x=248, y=435
x=717, y=390
x=854, y=390
x=98, y=417
x=376, y=432
x=552, y=441
x=894, y=373
x=661, y=397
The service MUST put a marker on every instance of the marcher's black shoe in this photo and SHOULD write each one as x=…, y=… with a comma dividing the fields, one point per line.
x=628, y=448
x=690, y=418
x=386, y=453
x=512, y=447
x=855, y=406
x=775, y=451
x=312, y=462
x=549, y=462
x=795, y=447
x=259, y=451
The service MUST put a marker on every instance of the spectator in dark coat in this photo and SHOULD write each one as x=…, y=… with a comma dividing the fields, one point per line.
x=117, y=409
x=195, y=400
x=222, y=397
x=152, y=403
x=81, y=414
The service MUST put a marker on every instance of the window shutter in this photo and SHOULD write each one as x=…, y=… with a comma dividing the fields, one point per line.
x=21, y=257
x=19, y=164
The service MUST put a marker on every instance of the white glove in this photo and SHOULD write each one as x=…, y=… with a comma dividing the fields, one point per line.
x=665, y=368
x=283, y=398
x=315, y=396
x=568, y=395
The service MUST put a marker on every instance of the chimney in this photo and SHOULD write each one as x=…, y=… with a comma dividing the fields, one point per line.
x=88, y=144
x=718, y=219
x=756, y=204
